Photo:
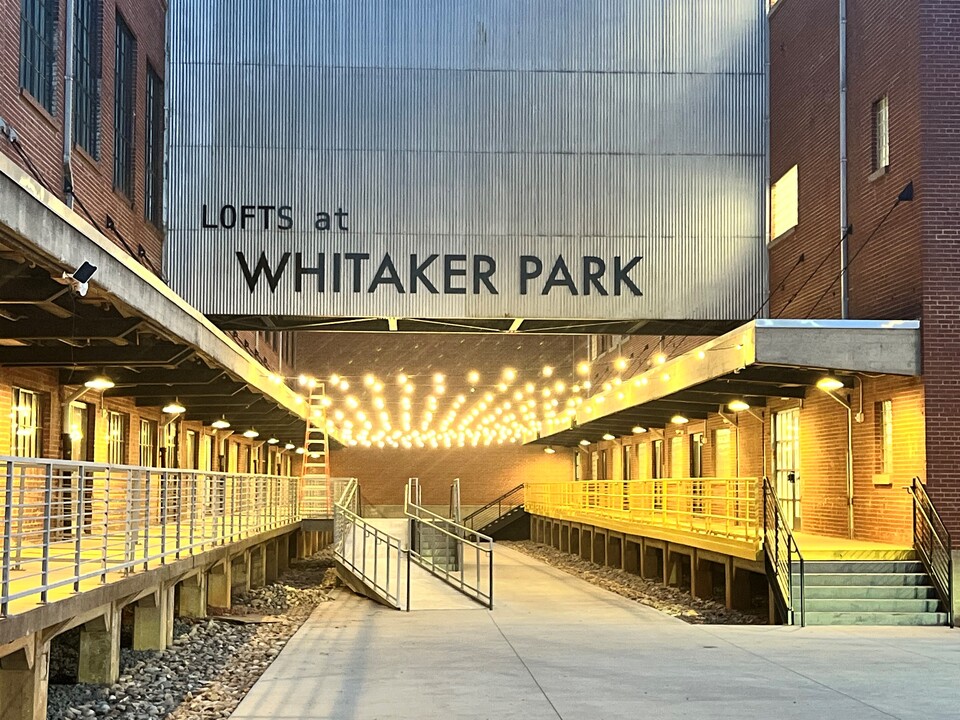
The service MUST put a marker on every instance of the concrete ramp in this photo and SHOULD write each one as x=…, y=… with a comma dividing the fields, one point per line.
x=373, y=567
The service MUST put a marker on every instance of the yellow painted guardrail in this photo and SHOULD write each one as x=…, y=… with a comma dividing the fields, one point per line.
x=727, y=508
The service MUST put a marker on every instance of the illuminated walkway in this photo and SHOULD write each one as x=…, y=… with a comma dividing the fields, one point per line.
x=557, y=647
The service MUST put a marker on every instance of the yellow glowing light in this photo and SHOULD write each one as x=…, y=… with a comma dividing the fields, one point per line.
x=661, y=359
x=334, y=380
x=701, y=355
x=547, y=371
x=344, y=385
x=559, y=386
x=829, y=384
x=509, y=375
x=738, y=406
x=549, y=450
x=408, y=389
x=401, y=379
x=438, y=378
x=639, y=430
x=608, y=437
x=473, y=377
x=583, y=368
x=620, y=364
x=679, y=420
x=369, y=380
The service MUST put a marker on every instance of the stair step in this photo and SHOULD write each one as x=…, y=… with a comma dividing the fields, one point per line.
x=871, y=579
x=875, y=618
x=860, y=566
x=871, y=605
x=870, y=592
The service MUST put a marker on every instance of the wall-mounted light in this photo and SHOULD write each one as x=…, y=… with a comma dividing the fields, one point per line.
x=174, y=408
x=100, y=382
x=221, y=424
x=679, y=420
x=829, y=384
x=738, y=406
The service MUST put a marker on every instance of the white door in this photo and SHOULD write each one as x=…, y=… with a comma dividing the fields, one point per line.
x=786, y=459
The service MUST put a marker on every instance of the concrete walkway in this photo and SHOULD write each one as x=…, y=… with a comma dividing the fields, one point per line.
x=557, y=647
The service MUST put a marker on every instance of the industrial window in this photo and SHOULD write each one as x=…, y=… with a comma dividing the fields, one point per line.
x=86, y=58
x=38, y=49
x=117, y=430
x=25, y=430
x=881, y=134
x=148, y=443
x=784, y=203
x=153, y=192
x=883, y=429
x=123, y=93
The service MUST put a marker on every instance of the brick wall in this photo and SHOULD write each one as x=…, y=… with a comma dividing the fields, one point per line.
x=940, y=179
x=485, y=473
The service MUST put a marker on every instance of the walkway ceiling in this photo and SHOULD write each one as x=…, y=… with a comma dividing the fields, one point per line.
x=129, y=326
x=763, y=360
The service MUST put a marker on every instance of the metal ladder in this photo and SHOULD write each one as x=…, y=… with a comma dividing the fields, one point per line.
x=316, y=497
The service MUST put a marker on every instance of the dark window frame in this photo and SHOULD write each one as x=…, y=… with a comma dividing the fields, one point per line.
x=124, y=92
x=38, y=50
x=153, y=149
x=88, y=74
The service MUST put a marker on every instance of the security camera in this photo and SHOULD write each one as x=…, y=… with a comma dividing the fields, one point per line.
x=79, y=279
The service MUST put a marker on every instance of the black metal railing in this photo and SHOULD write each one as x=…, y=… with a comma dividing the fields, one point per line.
x=783, y=559
x=932, y=542
x=495, y=509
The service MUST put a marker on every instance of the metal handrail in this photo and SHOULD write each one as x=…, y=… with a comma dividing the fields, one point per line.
x=354, y=536
x=933, y=544
x=69, y=526
x=458, y=538
x=494, y=509
x=782, y=551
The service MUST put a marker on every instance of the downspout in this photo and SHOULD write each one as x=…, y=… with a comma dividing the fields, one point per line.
x=68, y=82
x=849, y=470
x=844, y=202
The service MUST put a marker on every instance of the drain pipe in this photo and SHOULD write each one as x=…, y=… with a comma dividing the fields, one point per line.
x=68, y=86
x=844, y=200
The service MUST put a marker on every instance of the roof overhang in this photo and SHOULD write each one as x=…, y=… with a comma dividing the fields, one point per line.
x=152, y=342
x=760, y=360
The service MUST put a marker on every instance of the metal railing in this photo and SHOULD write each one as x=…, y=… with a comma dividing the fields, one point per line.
x=318, y=493
x=472, y=551
x=495, y=509
x=374, y=557
x=68, y=526
x=932, y=542
x=718, y=507
x=782, y=556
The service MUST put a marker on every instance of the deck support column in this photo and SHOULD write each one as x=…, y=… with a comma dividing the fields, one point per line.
x=24, y=676
x=241, y=572
x=219, y=584
x=283, y=554
x=153, y=621
x=258, y=566
x=701, y=576
x=270, y=563
x=193, y=596
x=100, y=649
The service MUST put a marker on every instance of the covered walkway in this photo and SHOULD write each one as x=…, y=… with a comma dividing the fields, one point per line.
x=557, y=647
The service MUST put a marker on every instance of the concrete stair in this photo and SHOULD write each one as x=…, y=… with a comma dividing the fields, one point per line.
x=438, y=547
x=868, y=592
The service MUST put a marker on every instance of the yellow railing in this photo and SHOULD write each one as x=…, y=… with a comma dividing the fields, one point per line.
x=726, y=508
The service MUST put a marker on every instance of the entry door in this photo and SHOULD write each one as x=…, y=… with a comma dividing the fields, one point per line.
x=786, y=458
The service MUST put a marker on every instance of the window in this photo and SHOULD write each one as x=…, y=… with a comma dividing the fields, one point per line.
x=881, y=134
x=148, y=443
x=171, y=446
x=86, y=86
x=38, y=49
x=123, y=92
x=117, y=428
x=656, y=467
x=883, y=429
x=25, y=430
x=80, y=447
x=784, y=203
x=153, y=192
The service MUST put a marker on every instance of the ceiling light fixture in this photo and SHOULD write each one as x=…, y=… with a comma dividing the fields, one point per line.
x=220, y=424
x=100, y=382
x=738, y=406
x=174, y=408
x=679, y=420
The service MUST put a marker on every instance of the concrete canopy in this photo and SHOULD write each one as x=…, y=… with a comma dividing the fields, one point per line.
x=762, y=359
x=130, y=325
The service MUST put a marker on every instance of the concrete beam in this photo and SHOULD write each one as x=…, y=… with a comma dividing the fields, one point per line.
x=24, y=677
x=100, y=649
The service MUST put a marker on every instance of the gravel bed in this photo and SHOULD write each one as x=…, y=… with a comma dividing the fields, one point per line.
x=672, y=601
x=211, y=664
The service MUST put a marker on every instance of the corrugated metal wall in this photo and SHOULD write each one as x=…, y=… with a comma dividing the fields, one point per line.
x=504, y=127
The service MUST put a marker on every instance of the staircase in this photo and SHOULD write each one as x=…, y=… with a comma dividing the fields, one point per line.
x=437, y=547
x=503, y=518
x=867, y=592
